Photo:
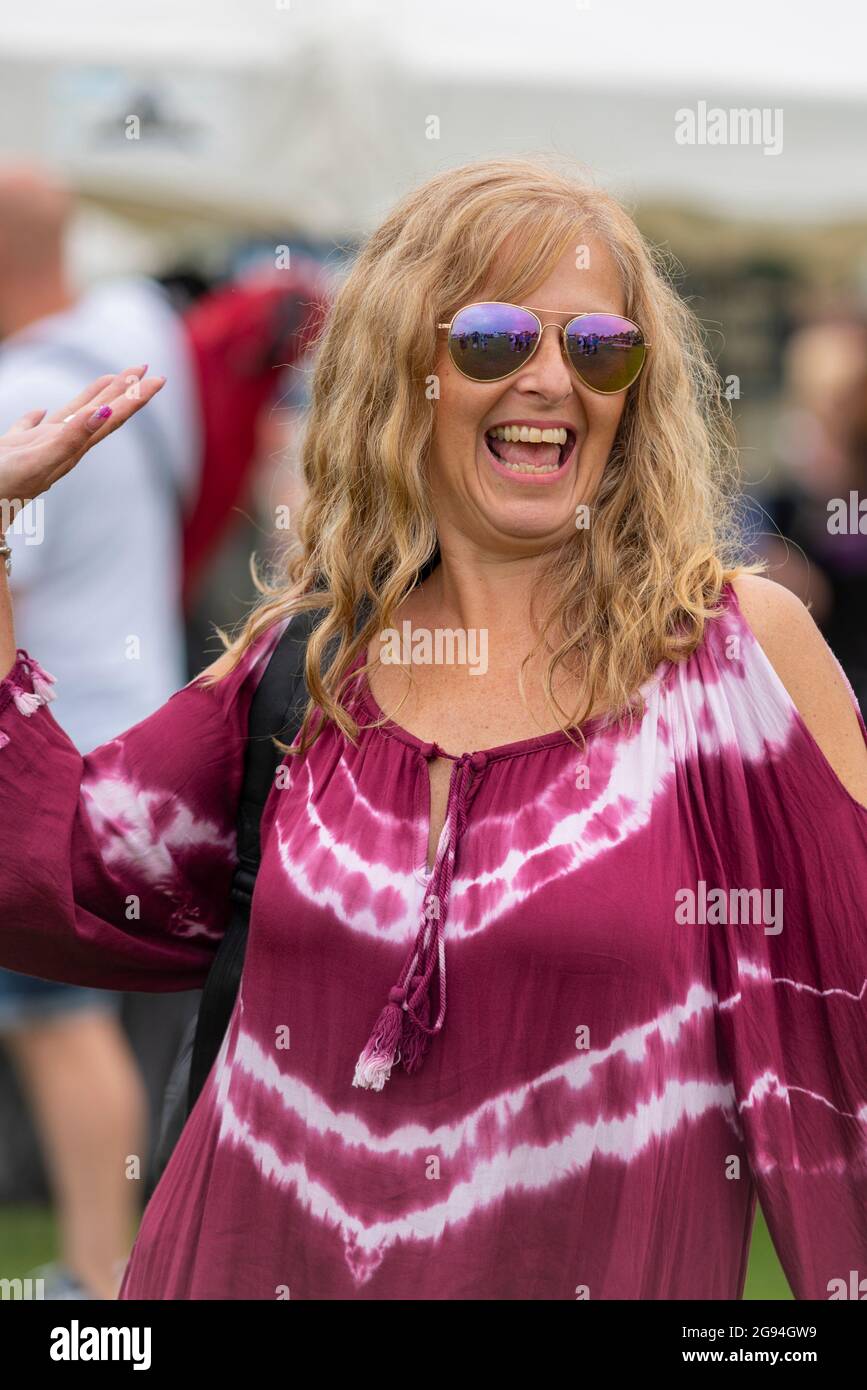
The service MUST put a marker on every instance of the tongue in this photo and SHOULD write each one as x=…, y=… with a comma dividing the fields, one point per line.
x=534, y=455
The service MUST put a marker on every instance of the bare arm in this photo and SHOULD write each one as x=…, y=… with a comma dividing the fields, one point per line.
x=40, y=448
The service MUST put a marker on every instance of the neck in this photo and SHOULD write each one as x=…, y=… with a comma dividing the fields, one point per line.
x=26, y=301
x=475, y=592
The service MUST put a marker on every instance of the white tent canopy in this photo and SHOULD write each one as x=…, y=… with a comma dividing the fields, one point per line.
x=318, y=116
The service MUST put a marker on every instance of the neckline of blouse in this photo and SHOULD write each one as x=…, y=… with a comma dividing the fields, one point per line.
x=368, y=702
x=535, y=743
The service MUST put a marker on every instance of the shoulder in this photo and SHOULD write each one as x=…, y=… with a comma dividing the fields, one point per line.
x=793, y=644
x=244, y=659
x=220, y=668
x=810, y=673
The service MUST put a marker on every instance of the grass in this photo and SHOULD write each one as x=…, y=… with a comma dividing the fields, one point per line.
x=765, y=1278
x=28, y=1238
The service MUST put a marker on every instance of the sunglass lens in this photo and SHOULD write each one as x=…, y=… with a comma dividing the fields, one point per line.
x=607, y=352
x=489, y=341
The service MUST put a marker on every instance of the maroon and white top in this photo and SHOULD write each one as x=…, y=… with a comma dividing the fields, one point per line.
x=636, y=981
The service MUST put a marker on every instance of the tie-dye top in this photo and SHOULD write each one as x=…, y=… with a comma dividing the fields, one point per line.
x=655, y=953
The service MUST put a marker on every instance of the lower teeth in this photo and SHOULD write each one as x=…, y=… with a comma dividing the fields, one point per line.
x=527, y=467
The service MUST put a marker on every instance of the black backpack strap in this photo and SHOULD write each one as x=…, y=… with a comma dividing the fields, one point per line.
x=277, y=709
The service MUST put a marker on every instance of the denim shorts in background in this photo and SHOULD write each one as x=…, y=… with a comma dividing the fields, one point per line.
x=25, y=1000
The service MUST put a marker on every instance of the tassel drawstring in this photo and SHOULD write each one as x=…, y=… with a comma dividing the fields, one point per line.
x=27, y=702
x=384, y=1046
x=403, y=1031
x=373, y=1067
x=43, y=681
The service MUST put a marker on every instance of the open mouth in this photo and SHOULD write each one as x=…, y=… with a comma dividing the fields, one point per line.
x=522, y=452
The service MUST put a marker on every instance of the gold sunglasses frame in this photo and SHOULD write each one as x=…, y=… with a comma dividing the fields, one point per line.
x=532, y=309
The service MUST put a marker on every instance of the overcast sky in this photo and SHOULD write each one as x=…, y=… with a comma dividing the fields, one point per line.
x=795, y=44
x=767, y=45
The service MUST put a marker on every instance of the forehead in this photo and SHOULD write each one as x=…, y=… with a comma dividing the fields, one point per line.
x=586, y=276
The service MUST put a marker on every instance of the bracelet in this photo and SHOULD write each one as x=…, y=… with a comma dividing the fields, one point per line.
x=5, y=553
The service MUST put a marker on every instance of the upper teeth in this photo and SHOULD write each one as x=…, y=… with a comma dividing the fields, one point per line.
x=526, y=434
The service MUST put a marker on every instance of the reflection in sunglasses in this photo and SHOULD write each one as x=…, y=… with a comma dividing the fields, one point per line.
x=587, y=343
x=518, y=342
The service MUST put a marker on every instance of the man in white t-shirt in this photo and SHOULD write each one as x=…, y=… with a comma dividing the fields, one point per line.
x=96, y=580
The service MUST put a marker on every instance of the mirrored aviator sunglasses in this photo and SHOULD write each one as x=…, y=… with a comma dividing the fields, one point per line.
x=490, y=341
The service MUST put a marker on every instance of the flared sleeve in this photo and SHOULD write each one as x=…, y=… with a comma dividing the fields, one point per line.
x=790, y=967
x=117, y=865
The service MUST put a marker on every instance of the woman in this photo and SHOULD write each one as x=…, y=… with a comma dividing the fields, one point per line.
x=557, y=956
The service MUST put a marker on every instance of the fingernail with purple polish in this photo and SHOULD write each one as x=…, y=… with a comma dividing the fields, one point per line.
x=98, y=417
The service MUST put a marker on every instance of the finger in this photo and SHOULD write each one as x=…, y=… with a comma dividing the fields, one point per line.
x=84, y=428
x=28, y=420
x=99, y=392
x=127, y=382
x=88, y=428
x=122, y=409
x=81, y=399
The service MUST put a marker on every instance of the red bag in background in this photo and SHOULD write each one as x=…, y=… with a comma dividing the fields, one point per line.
x=241, y=336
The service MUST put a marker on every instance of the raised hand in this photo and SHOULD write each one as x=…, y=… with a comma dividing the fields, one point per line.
x=41, y=447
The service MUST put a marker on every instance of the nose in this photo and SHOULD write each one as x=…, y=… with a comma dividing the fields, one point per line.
x=547, y=373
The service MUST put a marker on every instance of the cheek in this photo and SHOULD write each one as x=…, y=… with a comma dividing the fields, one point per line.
x=604, y=414
x=459, y=411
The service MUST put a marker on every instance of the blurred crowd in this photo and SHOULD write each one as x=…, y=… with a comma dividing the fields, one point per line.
x=808, y=521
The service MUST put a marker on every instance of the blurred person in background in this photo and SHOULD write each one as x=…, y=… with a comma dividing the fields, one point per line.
x=279, y=481
x=97, y=585
x=248, y=338
x=823, y=452
x=104, y=569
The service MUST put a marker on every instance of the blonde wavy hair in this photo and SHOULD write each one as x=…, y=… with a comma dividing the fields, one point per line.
x=633, y=589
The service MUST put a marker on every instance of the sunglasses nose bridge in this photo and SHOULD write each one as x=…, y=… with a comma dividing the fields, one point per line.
x=560, y=331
